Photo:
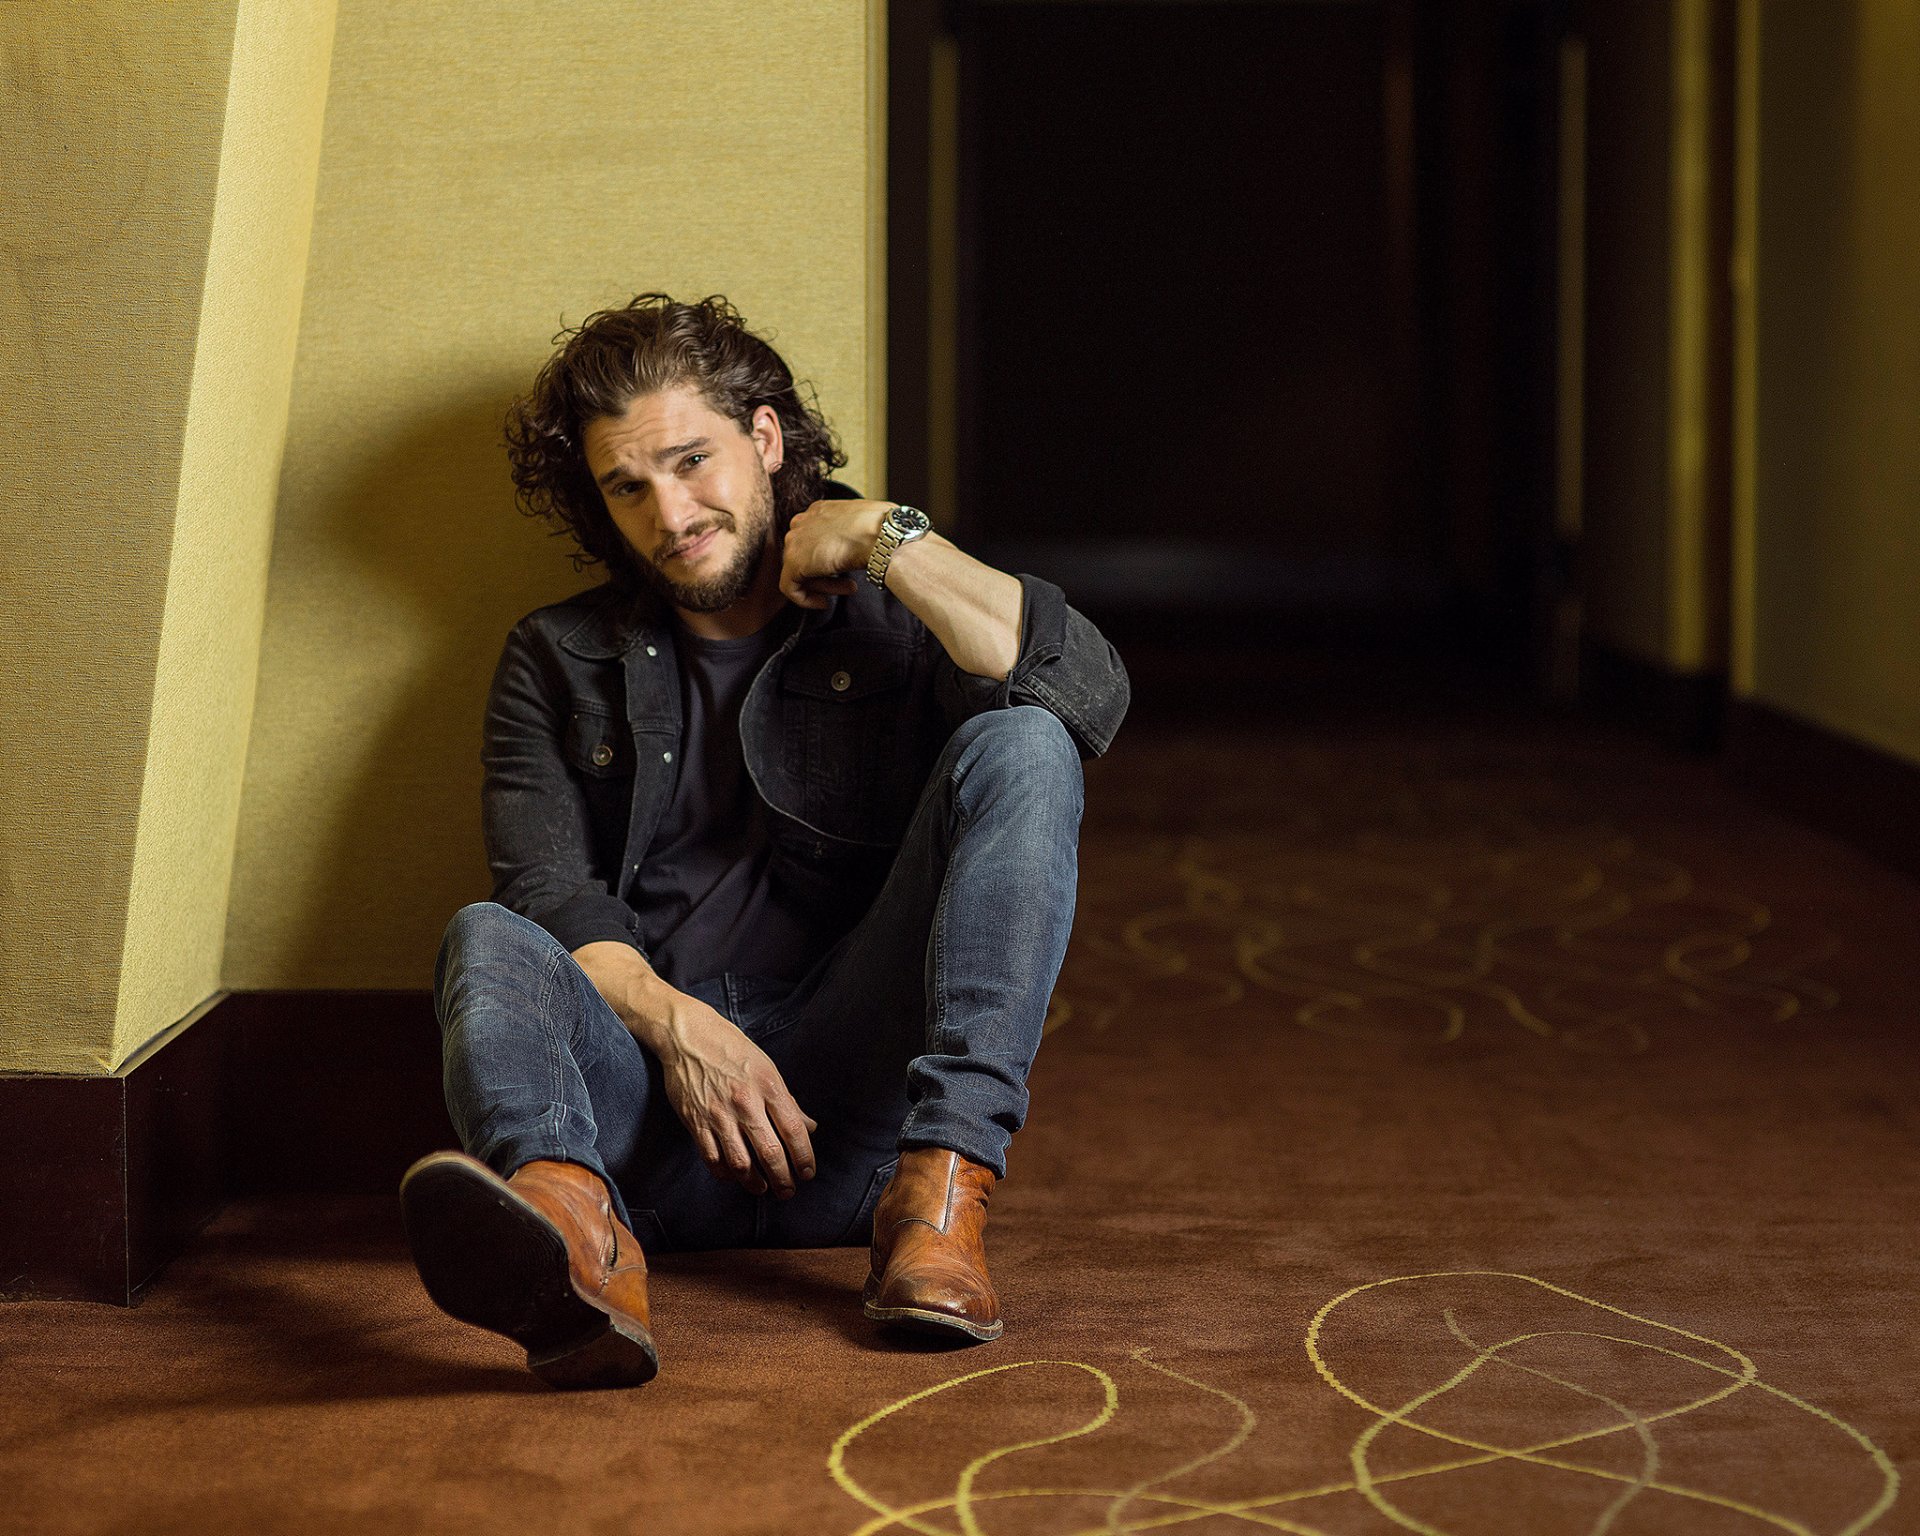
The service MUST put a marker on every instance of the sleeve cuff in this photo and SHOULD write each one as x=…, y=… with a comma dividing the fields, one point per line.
x=588, y=917
x=1043, y=629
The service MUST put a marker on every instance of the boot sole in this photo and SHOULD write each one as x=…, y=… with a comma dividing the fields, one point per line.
x=488, y=1258
x=924, y=1319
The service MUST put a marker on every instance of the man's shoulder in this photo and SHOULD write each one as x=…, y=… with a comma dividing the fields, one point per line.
x=596, y=624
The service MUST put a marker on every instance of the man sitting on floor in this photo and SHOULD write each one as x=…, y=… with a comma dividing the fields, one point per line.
x=785, y=813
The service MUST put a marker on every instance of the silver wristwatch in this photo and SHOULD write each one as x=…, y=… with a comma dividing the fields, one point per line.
x=900, y=526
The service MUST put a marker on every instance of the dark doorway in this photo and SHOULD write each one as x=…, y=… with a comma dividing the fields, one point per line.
x=1253, y=306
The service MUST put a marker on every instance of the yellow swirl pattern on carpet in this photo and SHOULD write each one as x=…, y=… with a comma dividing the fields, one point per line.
x=1647, y=1435
x=1414, y=902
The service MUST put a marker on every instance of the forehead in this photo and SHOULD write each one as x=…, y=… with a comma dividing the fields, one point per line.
x=649, y=424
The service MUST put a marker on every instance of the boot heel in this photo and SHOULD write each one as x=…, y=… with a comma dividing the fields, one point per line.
x=619, y=1353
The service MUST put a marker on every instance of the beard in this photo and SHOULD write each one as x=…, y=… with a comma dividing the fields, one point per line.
x=727, y=586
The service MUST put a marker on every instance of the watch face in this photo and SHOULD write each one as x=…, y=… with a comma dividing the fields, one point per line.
x=910, y=520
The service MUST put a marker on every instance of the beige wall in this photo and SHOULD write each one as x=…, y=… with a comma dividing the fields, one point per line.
x=124, y=196
x=223, y=520
x=1829, y=626
x=1824, y=585
x=187, y=391
x=486, y=173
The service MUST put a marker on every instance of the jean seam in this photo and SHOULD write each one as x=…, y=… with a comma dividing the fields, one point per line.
x=939, y=1041
x=962, y=822
x=551, y=1036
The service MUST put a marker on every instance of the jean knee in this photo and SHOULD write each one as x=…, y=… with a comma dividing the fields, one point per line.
x=1028, y=747
x=486, y=931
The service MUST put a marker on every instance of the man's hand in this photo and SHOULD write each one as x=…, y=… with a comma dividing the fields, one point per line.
x=732, y=1098
x=723, y=1087
x=825, y=541
x=974, y=610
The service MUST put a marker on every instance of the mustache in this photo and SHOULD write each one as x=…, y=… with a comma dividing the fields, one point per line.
x=723, y=521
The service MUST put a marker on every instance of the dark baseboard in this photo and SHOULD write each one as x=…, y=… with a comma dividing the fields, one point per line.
x=1845, y=788
x=1683, y=710
x=254, y=1093
x=107, y=1176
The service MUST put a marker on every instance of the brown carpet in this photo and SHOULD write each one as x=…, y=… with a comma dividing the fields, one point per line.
x=1504, y=1131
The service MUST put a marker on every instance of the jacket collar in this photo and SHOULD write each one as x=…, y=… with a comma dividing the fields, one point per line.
x=612, y=626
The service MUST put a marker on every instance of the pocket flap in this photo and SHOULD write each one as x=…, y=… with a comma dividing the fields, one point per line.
x=598, y=745
x=847, y=672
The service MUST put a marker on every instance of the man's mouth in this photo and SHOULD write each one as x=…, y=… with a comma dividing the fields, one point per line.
x=697, y=547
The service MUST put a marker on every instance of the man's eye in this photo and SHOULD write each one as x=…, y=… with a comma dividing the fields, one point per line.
x=626, y=488
x=693, y=459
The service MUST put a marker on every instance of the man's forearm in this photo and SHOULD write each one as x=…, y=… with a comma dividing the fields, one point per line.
x=973, y=609
x=633, y=989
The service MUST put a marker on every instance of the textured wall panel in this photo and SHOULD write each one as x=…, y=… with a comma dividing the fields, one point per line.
x=229, y=473
x=110, y=119
x=486, y=173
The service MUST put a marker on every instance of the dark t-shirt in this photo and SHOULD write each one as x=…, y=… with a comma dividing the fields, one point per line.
x=705, y=894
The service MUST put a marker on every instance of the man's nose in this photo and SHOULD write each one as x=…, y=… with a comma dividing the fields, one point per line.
x=679, y=509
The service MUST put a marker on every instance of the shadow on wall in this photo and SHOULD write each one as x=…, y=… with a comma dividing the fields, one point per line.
x=395, y=591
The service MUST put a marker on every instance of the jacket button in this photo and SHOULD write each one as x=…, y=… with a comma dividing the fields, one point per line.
x=651, y=651
x=666, y=757
x=602, y=755
x=841, y=681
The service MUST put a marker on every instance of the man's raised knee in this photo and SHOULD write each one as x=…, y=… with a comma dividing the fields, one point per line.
x=488, y=927
x=1028, y=744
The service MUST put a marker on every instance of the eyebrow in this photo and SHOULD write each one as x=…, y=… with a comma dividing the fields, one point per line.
x=618, y=471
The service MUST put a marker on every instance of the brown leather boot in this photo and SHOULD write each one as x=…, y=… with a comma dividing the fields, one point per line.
x=539, y=1257
x=928, y=1269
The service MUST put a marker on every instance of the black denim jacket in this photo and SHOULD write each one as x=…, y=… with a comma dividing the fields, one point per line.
x=840, y=729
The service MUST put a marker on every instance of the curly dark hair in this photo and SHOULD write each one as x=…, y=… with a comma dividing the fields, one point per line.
x=613, y=357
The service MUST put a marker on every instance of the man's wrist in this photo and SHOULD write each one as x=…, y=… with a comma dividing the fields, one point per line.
x=640, y=999
x=899, y=526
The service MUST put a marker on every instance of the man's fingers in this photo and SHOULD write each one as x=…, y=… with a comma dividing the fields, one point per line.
x=793, y=1124
x=799, y=592
x=735, y=1163
x=773, y=1156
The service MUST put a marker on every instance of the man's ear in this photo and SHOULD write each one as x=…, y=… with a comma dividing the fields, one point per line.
x=767, y=438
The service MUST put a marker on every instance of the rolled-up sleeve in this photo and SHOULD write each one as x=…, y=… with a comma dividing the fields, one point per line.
x=1065, y=666
x=534, y=818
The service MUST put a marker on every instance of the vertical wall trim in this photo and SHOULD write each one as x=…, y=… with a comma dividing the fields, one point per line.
x=875, y=472
x=1746, y=383
x=1688, y=433
x=1570, y=356
x=1572, y=349
x=943, y=278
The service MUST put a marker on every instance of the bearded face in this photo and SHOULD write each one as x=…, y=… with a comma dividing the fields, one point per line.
x=739, y=545
x=691, y=493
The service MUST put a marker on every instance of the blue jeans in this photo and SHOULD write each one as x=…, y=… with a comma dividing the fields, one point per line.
x=917, y=1029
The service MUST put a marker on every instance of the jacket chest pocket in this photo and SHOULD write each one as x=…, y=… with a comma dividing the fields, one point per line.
x=598, y=750
x=598, y=746
x=845, y=709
